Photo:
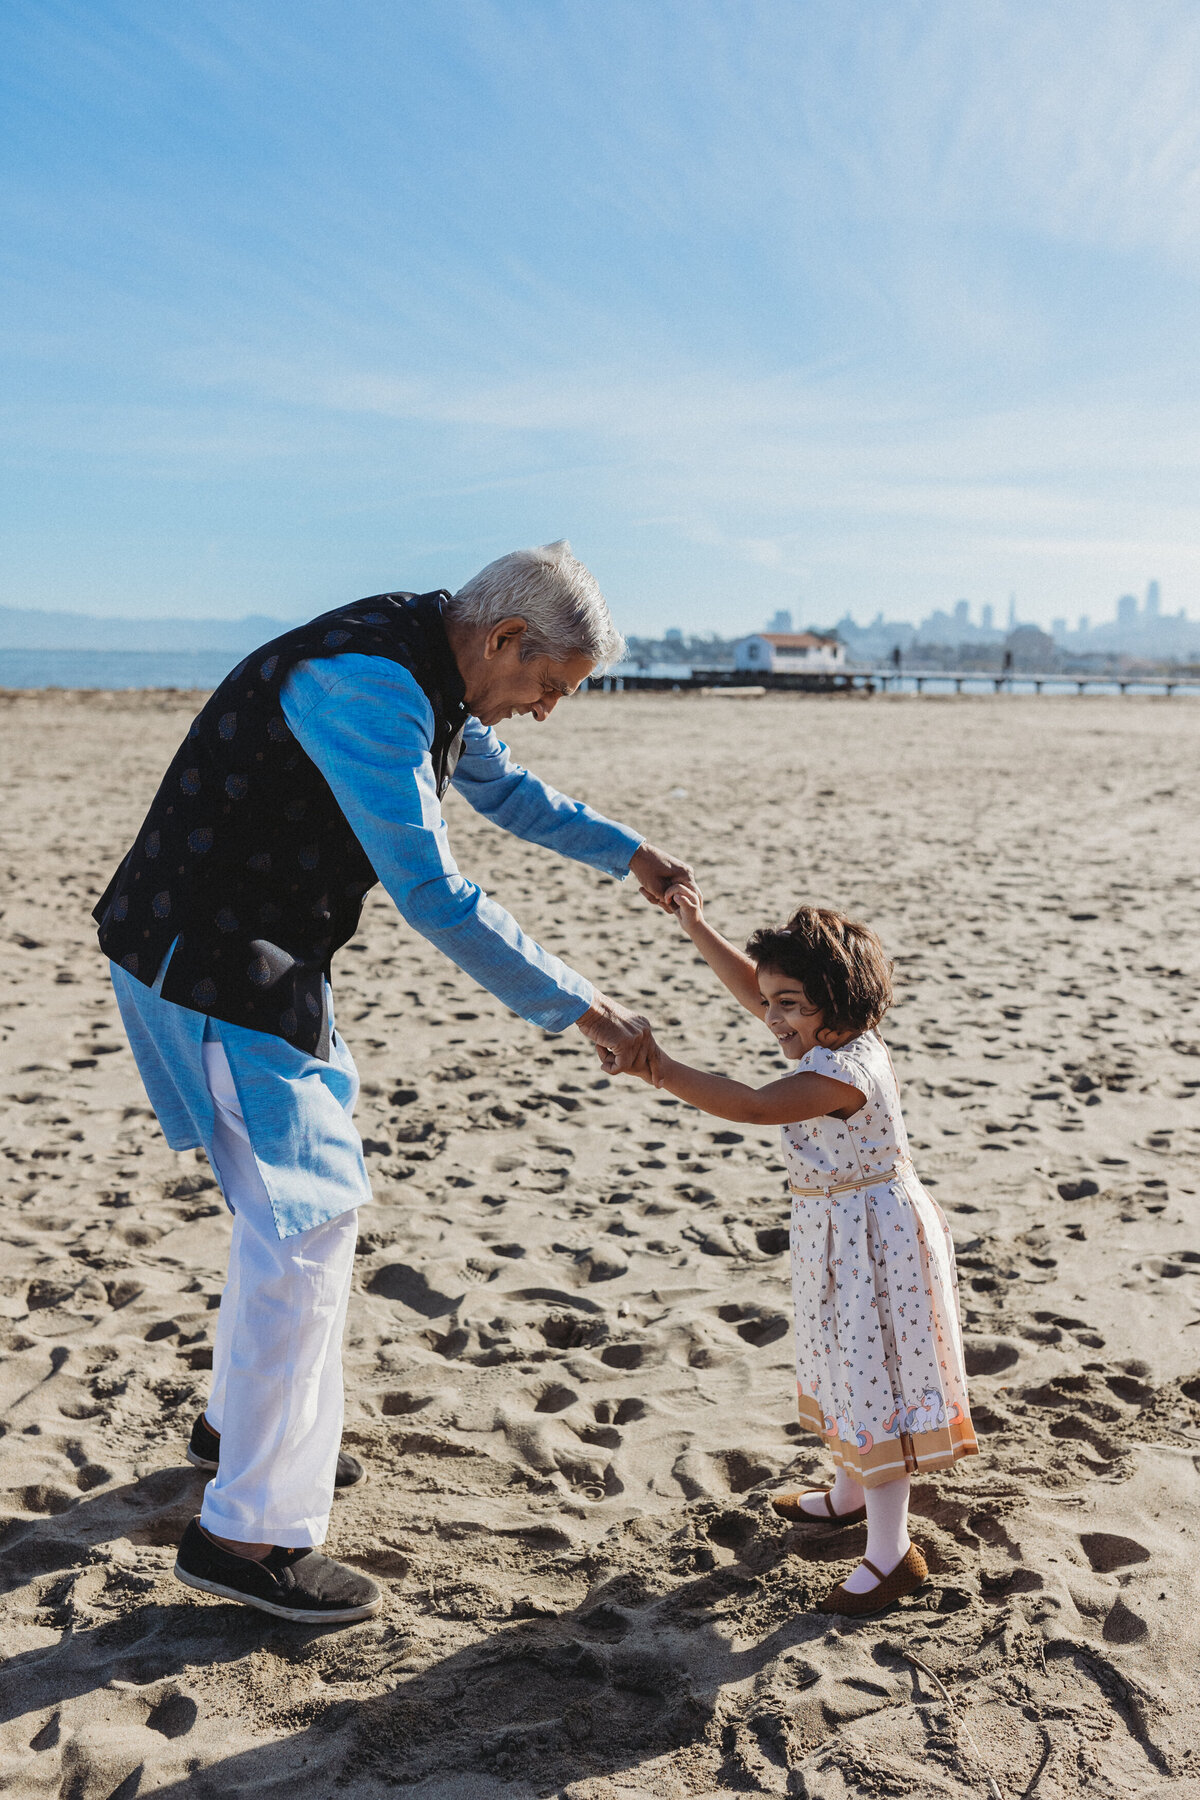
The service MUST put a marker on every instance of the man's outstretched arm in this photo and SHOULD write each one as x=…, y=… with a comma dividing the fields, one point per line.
x=520, y=802
x=368, y=729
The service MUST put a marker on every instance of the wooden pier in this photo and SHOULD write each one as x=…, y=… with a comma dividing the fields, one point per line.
x=740, y=681
x=1016, y=680
x=869, y=681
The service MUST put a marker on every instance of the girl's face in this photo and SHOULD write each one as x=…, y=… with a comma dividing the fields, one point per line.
x=789, y=1013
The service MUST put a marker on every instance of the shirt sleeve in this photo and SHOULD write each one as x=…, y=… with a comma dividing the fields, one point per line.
x=847, y=1064
x=519, y=802
x=368, y=727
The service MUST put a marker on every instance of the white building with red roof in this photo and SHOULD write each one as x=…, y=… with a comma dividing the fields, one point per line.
x=789, y=652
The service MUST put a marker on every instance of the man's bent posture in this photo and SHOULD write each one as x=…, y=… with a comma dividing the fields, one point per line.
x=316, y=769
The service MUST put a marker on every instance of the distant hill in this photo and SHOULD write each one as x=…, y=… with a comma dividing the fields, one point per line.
x=22, y=629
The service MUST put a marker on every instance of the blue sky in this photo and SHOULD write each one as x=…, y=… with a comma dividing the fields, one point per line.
x=828, y=306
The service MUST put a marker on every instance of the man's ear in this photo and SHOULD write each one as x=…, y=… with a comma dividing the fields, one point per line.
x=508, y=631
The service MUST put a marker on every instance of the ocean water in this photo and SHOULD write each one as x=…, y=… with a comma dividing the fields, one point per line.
x=205, y=669
x=115, y=668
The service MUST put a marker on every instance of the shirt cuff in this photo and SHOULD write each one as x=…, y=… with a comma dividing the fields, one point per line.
x=614, y=857
x=567, y=1009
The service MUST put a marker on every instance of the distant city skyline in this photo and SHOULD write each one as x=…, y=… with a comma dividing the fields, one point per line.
x=1131, y=618
x=1135, y=626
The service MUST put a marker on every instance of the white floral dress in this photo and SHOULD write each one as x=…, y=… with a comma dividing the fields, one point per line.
x=879, y=1360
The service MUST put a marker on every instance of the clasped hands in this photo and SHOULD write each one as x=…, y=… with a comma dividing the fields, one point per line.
x=624, y=1040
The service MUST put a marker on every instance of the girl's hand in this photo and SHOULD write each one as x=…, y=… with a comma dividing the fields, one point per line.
x=644, y=1066
x=685, y=900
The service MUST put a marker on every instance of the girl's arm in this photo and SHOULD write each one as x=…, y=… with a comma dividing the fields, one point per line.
x=782, y=1102
x=731, y=965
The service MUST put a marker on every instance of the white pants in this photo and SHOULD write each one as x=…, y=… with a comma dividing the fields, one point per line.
x=277, y=1356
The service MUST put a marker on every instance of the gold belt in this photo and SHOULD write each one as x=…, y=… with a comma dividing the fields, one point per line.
x=852, y=1187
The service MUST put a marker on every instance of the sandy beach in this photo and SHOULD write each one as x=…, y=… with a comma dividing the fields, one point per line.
x=569, y=1364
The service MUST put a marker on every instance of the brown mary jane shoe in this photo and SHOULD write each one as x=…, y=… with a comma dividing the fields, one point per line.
x=788, y=1507
x=910, y=1573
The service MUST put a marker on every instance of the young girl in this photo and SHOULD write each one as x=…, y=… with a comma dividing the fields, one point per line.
x=879, y=1357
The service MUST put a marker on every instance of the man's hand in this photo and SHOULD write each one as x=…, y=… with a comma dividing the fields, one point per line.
x=655, y=872
x=621, y=1038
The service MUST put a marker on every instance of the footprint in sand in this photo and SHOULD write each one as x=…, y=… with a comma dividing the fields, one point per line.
x=399, y=1405
x=1123, y=1625
x=755, y=1324
x=173, y=1716
x=990, y=1356
x=555, y=1398
x=1108, y=1550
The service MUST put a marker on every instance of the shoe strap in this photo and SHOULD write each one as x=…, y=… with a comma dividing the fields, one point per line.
x=829, y=1504
x=877, y=1573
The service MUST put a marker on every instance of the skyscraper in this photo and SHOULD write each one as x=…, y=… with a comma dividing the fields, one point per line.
x=962, y=614
x=1012, y=612
x=986, y=617
x=1152, y=600
x=1127, y=609
x=782, y=621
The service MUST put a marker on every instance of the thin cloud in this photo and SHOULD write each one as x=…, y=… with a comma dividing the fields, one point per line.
x=896, y=296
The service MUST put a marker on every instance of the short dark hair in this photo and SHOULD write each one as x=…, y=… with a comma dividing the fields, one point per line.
x=840, y=964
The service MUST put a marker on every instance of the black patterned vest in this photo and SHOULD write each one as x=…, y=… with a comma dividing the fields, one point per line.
x=245, y=856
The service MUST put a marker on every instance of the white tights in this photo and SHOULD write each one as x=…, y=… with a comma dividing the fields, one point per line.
x=887, y=1522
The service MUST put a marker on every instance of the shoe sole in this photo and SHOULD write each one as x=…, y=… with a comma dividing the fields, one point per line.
x=807, y=1522
x=871, y=1612
x=202, y=1462
x=841, y=1521
x=345, y=1615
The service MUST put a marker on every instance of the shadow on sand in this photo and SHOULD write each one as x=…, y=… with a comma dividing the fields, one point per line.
x=637, y=1670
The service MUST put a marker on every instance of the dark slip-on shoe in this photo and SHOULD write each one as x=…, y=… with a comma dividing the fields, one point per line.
x=788, y=1507
x=910, y=1573
x=204, y=1452
x=290, y=1584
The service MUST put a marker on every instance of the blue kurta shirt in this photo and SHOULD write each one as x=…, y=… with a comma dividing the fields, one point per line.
x=368, y=727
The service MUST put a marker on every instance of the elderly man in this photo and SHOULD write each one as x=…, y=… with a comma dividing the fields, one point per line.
x=316, y=769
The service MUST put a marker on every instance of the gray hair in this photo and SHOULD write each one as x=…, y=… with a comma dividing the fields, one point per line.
x=564, y=611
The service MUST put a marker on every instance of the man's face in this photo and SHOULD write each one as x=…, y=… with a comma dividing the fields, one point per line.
x=505, y=686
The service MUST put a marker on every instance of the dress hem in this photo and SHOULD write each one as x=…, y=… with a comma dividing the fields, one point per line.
x=874, y=1465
